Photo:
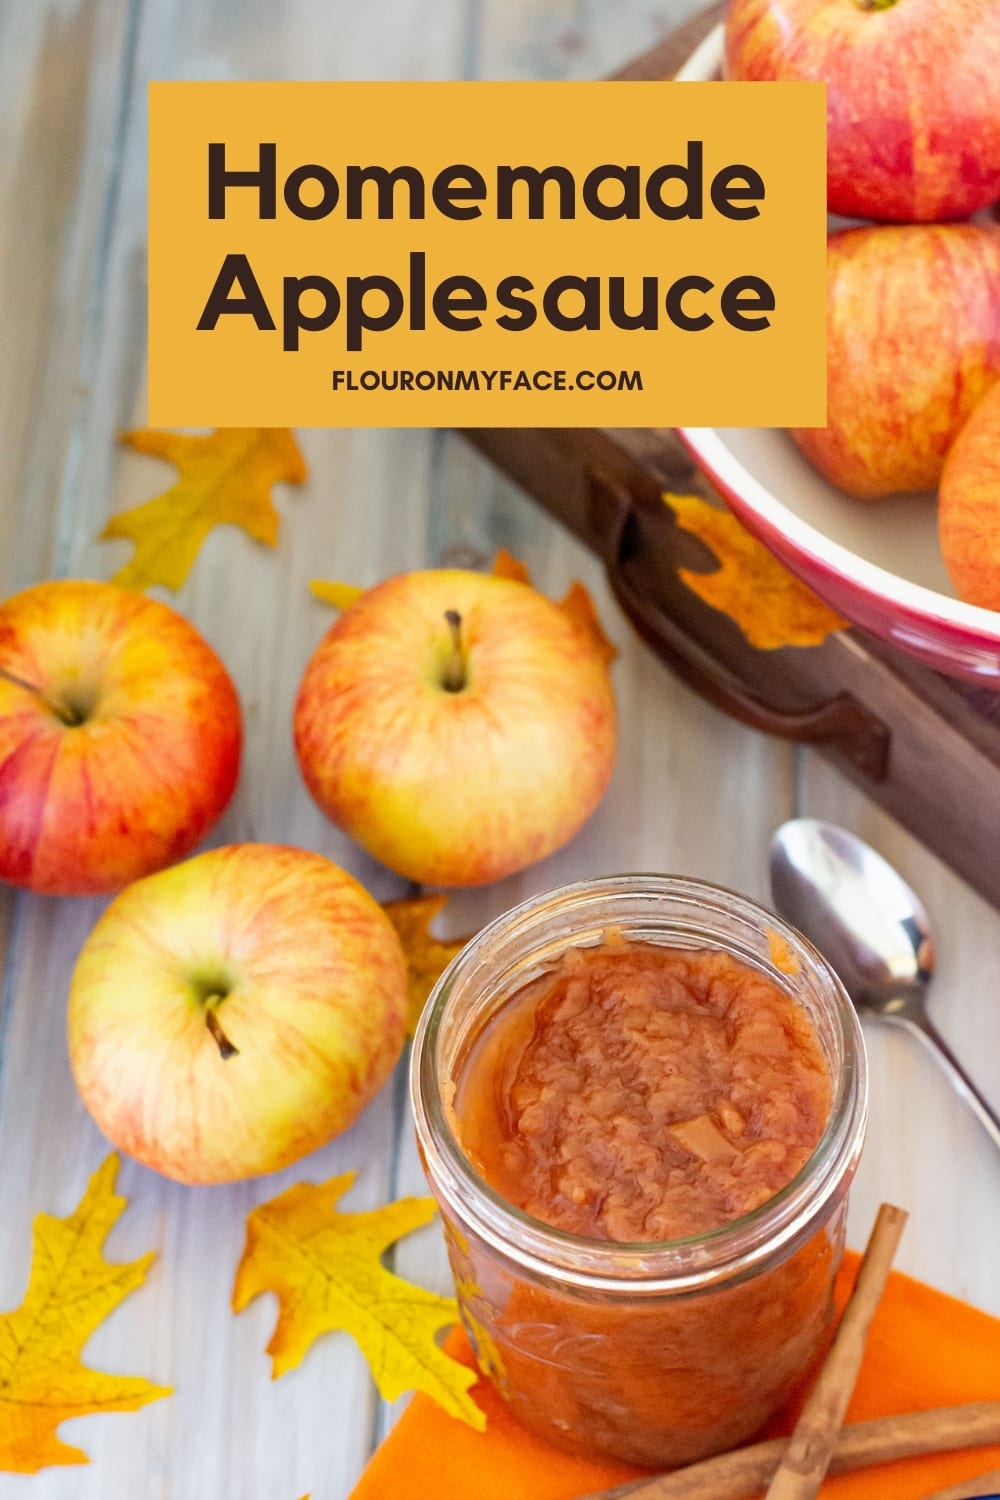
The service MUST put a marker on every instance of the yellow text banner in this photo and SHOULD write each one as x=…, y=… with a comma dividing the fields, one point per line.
x=487, y=254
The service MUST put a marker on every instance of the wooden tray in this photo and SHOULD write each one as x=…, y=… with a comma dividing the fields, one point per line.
x=924, y=746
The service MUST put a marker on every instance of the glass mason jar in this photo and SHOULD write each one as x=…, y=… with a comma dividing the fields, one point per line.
x=658, y=1353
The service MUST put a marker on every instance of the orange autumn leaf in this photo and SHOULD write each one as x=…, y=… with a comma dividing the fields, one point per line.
x=768, y=603
x=580, y=608
x=506, y=565
x=577, y=604
x=71, y=1290
x=325, y=1268
x=225, y=479
x=427, y=957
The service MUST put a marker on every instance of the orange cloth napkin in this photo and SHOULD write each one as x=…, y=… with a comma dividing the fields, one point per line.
x=925, y=1349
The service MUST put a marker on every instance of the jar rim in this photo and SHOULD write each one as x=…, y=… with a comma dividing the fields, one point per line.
x=730, y=1252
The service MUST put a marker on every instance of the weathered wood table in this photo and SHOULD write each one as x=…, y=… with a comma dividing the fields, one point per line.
x=692, y=793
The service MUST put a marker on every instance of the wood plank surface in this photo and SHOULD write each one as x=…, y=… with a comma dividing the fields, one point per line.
x=692, y=792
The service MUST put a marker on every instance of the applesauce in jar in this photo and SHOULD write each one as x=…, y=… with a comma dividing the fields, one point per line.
x=640, y=1104
x=639, y=1092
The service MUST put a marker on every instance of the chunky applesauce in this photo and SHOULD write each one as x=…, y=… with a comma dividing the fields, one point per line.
x=644, y=1093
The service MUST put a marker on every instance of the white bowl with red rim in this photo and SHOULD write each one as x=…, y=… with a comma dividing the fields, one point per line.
x=878, y=563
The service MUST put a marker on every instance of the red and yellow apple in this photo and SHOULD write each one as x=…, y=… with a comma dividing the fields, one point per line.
x=969, y=506
x=913, y=95
x=236, y=1011
x=120, y=735
x=913, y=343
x=457, y=725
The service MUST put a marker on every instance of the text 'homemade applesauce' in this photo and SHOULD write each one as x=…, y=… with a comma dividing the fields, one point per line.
x=649, y=1105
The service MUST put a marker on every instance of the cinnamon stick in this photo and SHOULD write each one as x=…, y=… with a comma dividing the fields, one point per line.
x=969, y=1489
x=745, y=1472
x=805, y=1461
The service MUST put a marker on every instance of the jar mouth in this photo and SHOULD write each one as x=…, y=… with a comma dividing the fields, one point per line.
x=688, y=913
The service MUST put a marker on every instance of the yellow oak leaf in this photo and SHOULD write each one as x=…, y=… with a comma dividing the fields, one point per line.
x=769, y=604
x=427, y=957
x=340, y=595
x=225, y=479
x=71, y=1290
x=325, y=1267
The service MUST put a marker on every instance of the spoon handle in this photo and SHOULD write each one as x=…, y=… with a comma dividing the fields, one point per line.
x=954, y=1071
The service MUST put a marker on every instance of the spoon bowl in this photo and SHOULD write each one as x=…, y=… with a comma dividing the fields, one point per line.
x=872, y=929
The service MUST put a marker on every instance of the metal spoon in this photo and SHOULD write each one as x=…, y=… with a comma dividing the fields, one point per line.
x=871, y=928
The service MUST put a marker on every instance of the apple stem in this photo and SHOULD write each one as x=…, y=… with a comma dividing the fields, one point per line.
x=225, y=1046
x=21, y=682
x=68, y=716
x=876, y=4
x=454, y=670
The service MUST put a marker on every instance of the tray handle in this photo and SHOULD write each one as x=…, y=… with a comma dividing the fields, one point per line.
x=841, y=721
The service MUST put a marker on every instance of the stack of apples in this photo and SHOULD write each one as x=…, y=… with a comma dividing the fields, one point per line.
x=233, y=1011
x=913, y=98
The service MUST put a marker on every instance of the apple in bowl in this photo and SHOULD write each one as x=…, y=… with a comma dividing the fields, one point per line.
x=458, y=725
x=969, y=506
x=913, y=96
x=913, y=344
x=232, y=1013
x=120, y=737
x=879, y=565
